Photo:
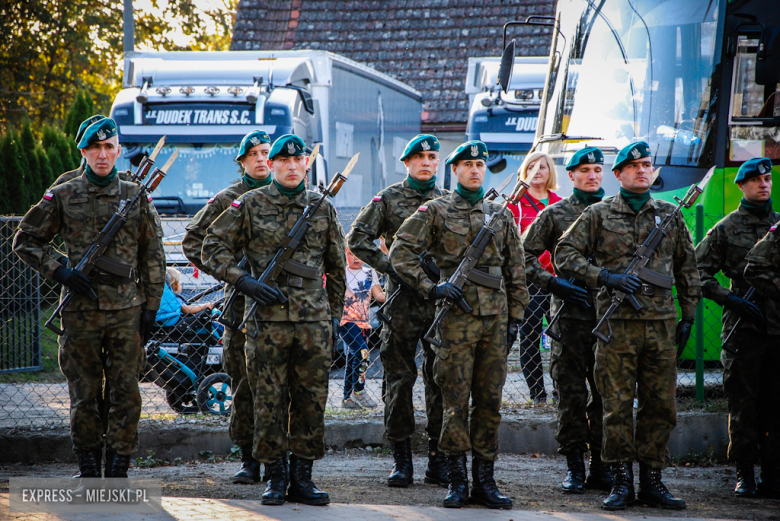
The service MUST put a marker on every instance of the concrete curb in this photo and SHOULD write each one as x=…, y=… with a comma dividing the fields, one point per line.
x=695, y=432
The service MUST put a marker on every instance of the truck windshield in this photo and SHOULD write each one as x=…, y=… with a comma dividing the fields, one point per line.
x=615, y=77
x=200, y=171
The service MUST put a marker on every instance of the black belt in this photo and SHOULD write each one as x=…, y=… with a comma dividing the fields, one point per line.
x=649, y=290
x=293, y=281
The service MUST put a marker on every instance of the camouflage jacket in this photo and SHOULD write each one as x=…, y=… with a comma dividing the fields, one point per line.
x=725, y=249
x=192, y=243
x=124, y=175
x=258, y=222
x=78, y=210
x=763, y=269
x=610, y=232
x=542, y=235
x=382, y=217
x=446, y=227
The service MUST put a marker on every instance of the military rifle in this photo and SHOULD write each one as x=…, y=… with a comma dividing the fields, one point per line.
x=748, y=295
x=94, y=256
x=642, y=256
x=293, y=240
x=460, y=276
x=431, y=270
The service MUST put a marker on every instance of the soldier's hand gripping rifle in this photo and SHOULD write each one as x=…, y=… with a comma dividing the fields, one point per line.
x=642, y=256
x=748, y=296
x=460, y=276
x=94, y=256
x=293, y=240
x=230, y=302
x=431, y=270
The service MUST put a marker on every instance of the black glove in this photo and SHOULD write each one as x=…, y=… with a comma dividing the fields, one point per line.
x=568, y=291
x=336, y=327
x=264, y=294
x=619, y=281
x=430, y=268
x=446, y=290
x=744, y=308
x=63, y=260
x=512, y=330
x=683, y=333
x=72, y=279
x=147, y=325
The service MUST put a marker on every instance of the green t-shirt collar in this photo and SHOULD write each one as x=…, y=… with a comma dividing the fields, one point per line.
x=290, y=192
x=101, y=181
x=759, y=210
x=589, y=198
x=634, y=200
x=256, y=183
x=421, y=186
x=472, y=196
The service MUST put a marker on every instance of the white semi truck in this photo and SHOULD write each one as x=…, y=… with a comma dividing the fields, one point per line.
x=205, y=102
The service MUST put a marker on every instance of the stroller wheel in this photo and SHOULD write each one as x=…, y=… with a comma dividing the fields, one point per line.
x=181, y=404
x=215, y=395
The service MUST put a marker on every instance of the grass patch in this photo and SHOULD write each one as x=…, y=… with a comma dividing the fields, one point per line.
x=689, y=404
x=50, y=373
x=707, y=458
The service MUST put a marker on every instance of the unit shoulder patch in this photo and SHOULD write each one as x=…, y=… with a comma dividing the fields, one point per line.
x=236, y=203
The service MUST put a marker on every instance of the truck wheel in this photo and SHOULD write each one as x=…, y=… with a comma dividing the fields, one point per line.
x=215, y=395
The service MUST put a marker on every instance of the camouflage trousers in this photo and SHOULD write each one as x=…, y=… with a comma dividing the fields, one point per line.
x=288, y=365
x=410, y=318
x=641, y=357
x=99, y=344
x=750, y=384
x=580, y=420
x=242, y=414
x=471, y=363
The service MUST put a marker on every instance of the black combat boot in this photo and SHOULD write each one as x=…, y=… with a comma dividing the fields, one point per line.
x=438, y=472
x=653, y=492
x=746, y=480
x=770, y=481
x=575, y=477
x=116, y=464
x=302, y=488
x=90, y=462
x=458, y=487
x=622, y=493
x=403, y=473
x=484, y=490
x=250, y=468
x=599, y=476
x=277, y=482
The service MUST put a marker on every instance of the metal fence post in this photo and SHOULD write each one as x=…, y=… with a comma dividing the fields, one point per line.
x=699, y=316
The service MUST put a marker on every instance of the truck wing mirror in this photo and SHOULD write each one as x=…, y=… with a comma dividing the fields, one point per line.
x=507, y=64
x=768, y=57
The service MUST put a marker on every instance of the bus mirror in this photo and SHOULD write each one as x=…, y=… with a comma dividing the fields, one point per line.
x=496, y=163
x=768, y=57
x=507, y=64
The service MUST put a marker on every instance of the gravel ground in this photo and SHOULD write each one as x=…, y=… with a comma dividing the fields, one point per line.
x=359, y=476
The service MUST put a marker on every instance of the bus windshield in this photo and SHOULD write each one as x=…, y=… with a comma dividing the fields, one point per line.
x=613, y=77
x=200, y=171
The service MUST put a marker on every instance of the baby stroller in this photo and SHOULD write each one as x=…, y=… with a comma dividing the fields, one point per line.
x=176, y=361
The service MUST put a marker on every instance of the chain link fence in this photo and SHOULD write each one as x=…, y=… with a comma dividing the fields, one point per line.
x=184, y=372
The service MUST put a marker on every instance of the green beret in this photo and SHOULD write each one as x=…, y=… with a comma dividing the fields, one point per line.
x=630, y=153
x=420, y=143
x=100, y=130
x=254, y=138
x=84, y=124
x=468, y=150
x=753, y=168
x=586, y=156
x=287, y=145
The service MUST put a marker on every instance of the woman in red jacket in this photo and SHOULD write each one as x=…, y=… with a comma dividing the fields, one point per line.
x=539, y=196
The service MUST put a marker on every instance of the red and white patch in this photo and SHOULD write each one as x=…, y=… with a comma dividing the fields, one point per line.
x=48, y=195
x=377, y=198
x=423, y=208
x=236, y=203
x=149, y=198
x=773, y=228
x=211, y=200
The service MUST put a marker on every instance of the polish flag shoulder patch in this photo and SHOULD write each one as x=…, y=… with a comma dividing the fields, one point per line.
x=149, y=198
x=773, y=228
x=236, y=203
x=423, y=208
x=48, y=195
x=377, y=198
x=211, y=200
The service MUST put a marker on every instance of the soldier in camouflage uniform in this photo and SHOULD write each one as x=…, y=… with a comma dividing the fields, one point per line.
x=571, y=359
x=471, y=362
x=253, y=158
x=642, y=353
x=410, y=315
x=289, y=348
x=104, y=336
x=748, y=376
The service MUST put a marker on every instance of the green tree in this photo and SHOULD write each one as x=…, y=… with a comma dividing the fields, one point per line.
x=15, y=188
x=49, y=144
x=47, y=176
x=53, y=48
x=81, y=109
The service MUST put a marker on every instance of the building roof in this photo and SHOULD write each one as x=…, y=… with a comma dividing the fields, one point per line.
x=424, y=43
